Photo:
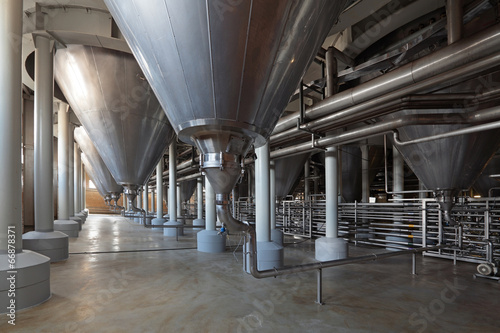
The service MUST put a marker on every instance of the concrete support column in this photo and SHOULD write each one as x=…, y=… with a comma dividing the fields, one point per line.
x=276, y=234
x=172, y=193
x=33, y=269
x=307, y=174
x=398, y=187
x=180, y=217
x=269, y=253
x=398, y=173
x=153, y=200
x=199, y=221
x=145, y=198
x=365, y=174
x=209, y=240
x=331, y=247
x=63, y=223
x=159, y=220
x=71, y=176
x=78, y=183
x=44, y=240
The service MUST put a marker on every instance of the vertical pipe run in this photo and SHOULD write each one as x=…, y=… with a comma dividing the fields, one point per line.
x=77, y=175
x=199, y=197
x=272, y=194
x=159, y=189
x=172, y=174
x=11, y=13
x=44, y=92
x=153, y=199
x=398, y=173
x=211, y=215
x=331, y=73
x=365, y=176
x=332, y=187
x=262, y=222
x=455, y=15
x=63, y=162
x=139, y=198
x=319, y=281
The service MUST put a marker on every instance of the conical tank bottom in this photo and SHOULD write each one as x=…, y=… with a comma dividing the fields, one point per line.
x=90, y=171
x=99, y=169
x=351, y=173
x=447, y=164
x=287, y=170
x=187, y=189
x=484, y=182
x=224, y=74
x=112, y=99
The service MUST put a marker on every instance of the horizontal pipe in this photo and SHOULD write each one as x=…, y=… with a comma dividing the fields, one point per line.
x=478, y=46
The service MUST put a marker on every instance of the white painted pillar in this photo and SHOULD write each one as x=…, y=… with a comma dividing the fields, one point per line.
x=159, y=220
x=172, y=193
x=331, y=247
x=71, y=170
x=210, y=211
x=77, y=175
x=145, y=199
x=199, y=197
x=365, y=173
x=178, y=199
x=153, y=199
x=32, y=269
x=398, y=173
x=307, y=174
x=159, y=189
x=331, y=191
x=272, y=194
x=172, y=174
x=63, y=162
x=262, y=198
x=44, y=91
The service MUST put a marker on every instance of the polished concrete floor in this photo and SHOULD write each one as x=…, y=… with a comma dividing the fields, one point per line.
x=121, y=277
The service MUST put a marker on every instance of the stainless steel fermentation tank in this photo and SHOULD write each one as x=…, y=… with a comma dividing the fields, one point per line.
x=224, y=73
x=113, y=100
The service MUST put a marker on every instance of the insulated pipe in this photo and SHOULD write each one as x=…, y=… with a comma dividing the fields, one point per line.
x=159, y=189
x=272, y=194
x=331, y=73
x=63, y=162
x=365, y=173
x=331, y=191
x=44, y=92
x=478, y=46
x=388, y=126
x=172, y=193
x=211, y=217
x=397, y=173
x=11, y=31
x=71, y=170
x=262, y=199
x=77, y=177
x=199, y=197
x=455, y=17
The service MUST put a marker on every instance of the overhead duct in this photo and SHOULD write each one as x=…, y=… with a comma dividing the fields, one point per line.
x=113, y=100
x=100, y=171
x=224, y=74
